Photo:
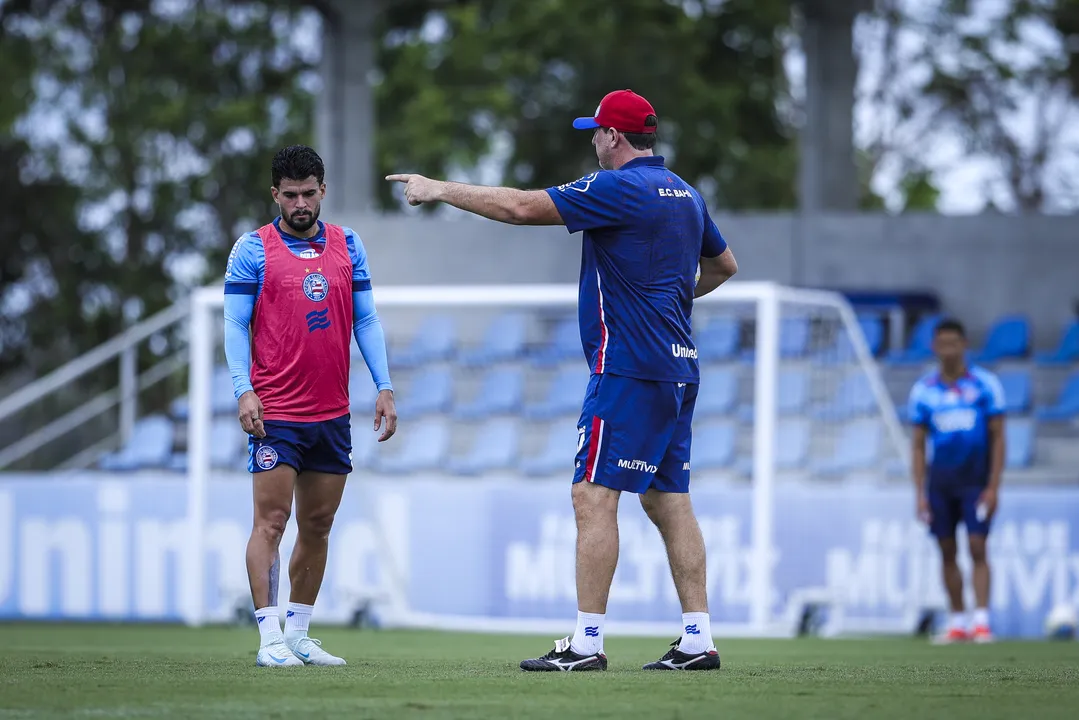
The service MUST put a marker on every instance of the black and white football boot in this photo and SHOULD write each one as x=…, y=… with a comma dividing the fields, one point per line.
x=563, y=659
x=675, y=659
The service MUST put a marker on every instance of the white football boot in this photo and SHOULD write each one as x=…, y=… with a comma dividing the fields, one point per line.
x=277, y=654
x=309, y=650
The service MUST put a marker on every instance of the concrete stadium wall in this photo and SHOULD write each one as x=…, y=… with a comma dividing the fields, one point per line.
x=981, y=266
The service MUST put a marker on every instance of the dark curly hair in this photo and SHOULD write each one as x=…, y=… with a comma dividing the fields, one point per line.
x=296, y=162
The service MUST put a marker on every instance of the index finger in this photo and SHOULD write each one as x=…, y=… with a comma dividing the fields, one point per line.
x=399, y=177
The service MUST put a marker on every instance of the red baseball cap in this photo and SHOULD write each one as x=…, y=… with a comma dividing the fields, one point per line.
x=623, y=110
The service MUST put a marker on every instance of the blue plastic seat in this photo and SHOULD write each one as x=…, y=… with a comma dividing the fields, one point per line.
x=857, y=448
x=718, y=339
x=365, y=446
x=791, y=446
x=150, y=446
x=494, y=448
x=793, y=339
x=431, y=391
x=1017, y=388
x=842, y=350
x=1019, y=436
x=713, y=445
x=1067, y=404
x=718, y=392
x=228, y=444
x=564, y=395
x=792, y=394
x=361, y=389
x=919, y=348
x=424, y=449
x=503, y=340
x=853, y=397
x=1066, y=352
x=222, y=397
x=564, y=344
x=435, y=339
x=557, y=454
x=500, y=393
x=1009, y=338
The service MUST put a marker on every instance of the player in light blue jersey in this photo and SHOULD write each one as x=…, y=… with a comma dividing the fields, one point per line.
x=958, y=411
x=645, y=232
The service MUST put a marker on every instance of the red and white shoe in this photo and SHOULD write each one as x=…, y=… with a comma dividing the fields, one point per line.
x=982, y=634
x=953, y=636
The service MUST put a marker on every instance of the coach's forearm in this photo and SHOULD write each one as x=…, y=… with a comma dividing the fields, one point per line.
x=494, y=203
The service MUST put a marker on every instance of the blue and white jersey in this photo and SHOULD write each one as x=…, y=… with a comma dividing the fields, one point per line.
x=956, y=417
x=645, y=230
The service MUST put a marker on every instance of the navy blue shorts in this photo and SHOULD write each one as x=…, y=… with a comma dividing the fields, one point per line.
x=324, y=447
x=950, y=505
x=635, y=434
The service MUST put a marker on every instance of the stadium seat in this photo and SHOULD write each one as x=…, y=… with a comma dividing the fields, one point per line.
x=431, y=391
x=793, y=339
x=793, y=394
x=1066, y=353
x=424, y=448
x=228, y=444
x=564, y=344
x=718, y=393
x=150, y=446
x=435, y=339
x=1009, y=338
x=718, y=339
x=791, y=446
x=1067, y=405
x=499, y=393
x=713, y=445
x=856, y=448
x=1019, y=443
x=842, y=350
x=1017, y=388
x=564, y=394
x=919, y=348
x=361, y=389
x=853, y=397
x=494, y=447
x=504, y=340
x=557, y=454
x=222, y=397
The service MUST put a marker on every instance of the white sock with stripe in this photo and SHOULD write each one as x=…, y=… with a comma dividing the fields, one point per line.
x=269, y=624
x=297, y=620
x=696, y=633
x=588, y=637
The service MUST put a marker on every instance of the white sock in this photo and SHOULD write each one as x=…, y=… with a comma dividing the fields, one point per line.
x=588, y=637
x=696, y=633
x=269, y=625
x=958, y=621
x=981, y=617
x=297, y=619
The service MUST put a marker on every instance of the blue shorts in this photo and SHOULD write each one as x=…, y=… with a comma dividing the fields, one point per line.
x=949, y=505
x=635, y=434
x=324, y=447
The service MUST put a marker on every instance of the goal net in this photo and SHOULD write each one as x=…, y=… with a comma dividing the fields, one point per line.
x=463, y=519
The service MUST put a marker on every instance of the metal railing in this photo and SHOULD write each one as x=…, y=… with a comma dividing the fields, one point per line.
x=125, y=347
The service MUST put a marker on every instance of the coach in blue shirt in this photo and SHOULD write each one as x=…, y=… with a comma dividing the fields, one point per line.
x=645, y=232
x=958, y=411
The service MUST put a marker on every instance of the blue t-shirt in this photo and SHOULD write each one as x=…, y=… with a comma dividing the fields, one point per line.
x=246, y=266
x=956, y=418
x=645, y=230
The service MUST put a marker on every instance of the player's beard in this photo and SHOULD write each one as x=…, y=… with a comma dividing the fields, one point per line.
x=302, y=220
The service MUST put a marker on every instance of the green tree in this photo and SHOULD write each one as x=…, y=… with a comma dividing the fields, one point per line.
x=461, y=78
x=167, y=118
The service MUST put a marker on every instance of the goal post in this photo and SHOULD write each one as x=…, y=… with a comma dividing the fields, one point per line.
x=780, y=333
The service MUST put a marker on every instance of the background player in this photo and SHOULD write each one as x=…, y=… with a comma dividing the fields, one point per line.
x=645, y=230
x=960, y=410
x=294, y=292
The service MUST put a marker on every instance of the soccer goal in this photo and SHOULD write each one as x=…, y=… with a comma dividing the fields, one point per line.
x=463, y=520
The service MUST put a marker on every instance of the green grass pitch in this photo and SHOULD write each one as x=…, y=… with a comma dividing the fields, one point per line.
x=123, y=671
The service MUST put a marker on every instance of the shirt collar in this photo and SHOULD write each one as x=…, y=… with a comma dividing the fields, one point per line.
x=646, y=161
